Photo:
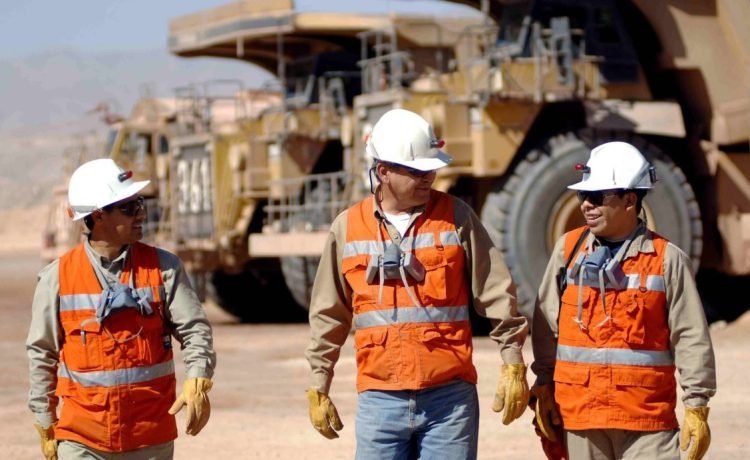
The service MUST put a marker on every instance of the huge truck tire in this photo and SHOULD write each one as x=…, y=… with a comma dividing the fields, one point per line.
x=299, y=275
x=299, y=272
x=529, y=210
x=255, y=295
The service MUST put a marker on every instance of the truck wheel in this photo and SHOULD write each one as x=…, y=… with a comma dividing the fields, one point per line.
x=529, y=210
x=299, y=275
x=255, y=295
x=299, y=272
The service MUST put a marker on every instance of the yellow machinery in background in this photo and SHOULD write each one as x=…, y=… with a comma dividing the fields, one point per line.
x=520, y=91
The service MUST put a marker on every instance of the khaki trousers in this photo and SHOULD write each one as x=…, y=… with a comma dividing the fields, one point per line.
x=71, y=450
x=614, y=444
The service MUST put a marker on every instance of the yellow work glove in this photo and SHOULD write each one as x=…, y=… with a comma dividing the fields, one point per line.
x=695, y=431
x=323, y=414
x=195, y=396
x=48, y=441
x=547, y=416
x=512, y=392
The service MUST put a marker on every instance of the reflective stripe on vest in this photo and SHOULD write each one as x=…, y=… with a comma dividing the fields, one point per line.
x=117, y=376
x=614, y=356
x=78, y=302
x=420, y=241
x=653, y=282
x=404, y=315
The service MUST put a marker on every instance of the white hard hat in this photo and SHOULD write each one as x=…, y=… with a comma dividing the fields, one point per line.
x=405, y=138
x=98, y=183
x=615, y=165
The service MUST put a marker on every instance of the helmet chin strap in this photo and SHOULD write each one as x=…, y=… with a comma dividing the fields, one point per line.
x=369, y=176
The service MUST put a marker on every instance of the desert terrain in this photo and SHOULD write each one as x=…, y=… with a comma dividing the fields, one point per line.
x=259, y=409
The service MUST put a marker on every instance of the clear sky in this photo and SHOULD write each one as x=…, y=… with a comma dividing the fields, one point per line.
x=32, y=26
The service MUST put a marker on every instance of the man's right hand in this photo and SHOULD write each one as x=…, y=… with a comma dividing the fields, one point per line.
x=546, y=410
x=48, y=441
x=323, y=414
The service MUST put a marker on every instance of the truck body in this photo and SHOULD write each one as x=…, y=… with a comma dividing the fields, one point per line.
x=520, y=94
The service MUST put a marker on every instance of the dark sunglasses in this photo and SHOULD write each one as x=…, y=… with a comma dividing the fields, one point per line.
x=131, y=208
x=409, y=171
x=597, y=197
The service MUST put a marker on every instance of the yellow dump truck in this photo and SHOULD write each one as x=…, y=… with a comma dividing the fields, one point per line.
x=286, y=152
x=520, y=92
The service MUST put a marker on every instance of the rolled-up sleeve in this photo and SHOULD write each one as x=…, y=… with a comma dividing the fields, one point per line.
x=188, y=319
x=492, y=289
x=330, y=309
x=43, y=345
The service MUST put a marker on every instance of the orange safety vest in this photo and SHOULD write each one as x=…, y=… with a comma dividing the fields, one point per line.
x=116, y=383
x=620, y=373
x=399, y=345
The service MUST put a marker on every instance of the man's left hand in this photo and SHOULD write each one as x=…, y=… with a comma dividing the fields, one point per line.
x=695, y=432
x=512, y=392
x=195, y=396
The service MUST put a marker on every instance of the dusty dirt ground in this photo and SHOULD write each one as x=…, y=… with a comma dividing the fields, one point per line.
x=259, y=409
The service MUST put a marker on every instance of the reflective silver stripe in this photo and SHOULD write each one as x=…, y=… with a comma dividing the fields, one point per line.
x=117, y=376
x=653, y=282
x=79, y=302
x=423, y=240
x=656, y=283
x=614, y=356
x=148, y=293
x=411, y=315
x=91, y=301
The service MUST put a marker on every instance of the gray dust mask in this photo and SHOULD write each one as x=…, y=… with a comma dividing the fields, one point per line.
x=119, y=297
x=391, y=262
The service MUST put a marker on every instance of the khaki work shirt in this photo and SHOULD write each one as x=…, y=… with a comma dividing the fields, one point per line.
x=492, y=293
x=45, y=338
x=690, y=341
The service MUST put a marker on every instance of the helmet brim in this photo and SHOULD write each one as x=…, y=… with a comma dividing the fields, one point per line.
x=440, y=160
x=127, y=192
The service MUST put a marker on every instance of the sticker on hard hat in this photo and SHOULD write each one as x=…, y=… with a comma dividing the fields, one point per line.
x=125, y=175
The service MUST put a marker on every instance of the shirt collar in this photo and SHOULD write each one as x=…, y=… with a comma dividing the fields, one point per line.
x=114, y=265
x=642, y=241
x=380, y=214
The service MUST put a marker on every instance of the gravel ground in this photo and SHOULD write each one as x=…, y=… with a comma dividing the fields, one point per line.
x=259, y=409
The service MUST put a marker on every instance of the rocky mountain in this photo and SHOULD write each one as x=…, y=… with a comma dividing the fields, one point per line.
x=47, y=102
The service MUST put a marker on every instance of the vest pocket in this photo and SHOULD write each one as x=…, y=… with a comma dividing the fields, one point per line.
x=374, y=359
x=355, y=272
x=83, y=345
x=569, y=315
x=86, y=412
x=444, y=354
x=434, y=285
x=635, y=331
x=643, y=393
x=572, y=390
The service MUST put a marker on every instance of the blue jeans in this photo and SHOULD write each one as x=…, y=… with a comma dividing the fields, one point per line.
x=434, y=423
